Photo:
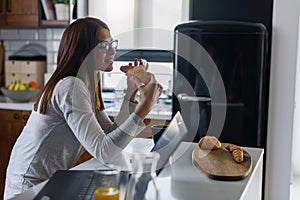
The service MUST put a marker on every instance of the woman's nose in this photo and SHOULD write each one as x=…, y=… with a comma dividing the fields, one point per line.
x=112, y=51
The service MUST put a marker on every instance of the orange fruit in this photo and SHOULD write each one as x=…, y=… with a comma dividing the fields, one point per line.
x=34, y=85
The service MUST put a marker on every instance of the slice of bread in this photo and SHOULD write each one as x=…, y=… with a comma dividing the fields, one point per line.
x=138, y=71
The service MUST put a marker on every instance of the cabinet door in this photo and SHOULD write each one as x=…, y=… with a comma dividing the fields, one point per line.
x=11, y=125
x=20, y=13
x=25, y=115
x=2, y=12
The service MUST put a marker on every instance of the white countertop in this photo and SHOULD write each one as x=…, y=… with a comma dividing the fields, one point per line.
x=159, y=112
x=7, y=104
x=183, y=180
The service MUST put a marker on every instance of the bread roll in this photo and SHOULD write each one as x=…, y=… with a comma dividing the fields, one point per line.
x=209, y=143
x=138, y=71
x=237, y=155
x=236, y=152
x=231, y=147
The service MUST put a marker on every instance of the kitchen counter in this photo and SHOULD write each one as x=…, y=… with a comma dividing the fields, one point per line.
x=159, y=112
x=182, y=180
x=7, y=104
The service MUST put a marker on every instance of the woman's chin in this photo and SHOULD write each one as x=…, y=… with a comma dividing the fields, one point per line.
x=109, y=67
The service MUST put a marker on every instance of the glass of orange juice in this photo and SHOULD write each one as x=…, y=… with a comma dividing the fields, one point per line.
x=107, y=183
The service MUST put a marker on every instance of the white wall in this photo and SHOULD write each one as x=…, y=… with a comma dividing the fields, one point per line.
x=281, y=103
x=15, y=38
x=143, y=23
x=296, y=131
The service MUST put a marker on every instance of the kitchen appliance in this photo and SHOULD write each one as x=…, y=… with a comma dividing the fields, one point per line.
x=237, y=52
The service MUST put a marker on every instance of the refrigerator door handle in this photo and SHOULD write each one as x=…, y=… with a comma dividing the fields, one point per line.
x=185, y=97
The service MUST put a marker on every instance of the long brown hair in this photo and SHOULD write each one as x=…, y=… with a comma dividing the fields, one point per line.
x=78, y=40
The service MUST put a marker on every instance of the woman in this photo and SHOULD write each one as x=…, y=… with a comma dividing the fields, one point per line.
x=68, y=115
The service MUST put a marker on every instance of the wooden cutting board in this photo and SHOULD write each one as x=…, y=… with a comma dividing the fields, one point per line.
x=218, y=164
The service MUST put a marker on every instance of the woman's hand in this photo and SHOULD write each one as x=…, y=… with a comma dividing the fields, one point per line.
x=132, y=88
x=149, y=95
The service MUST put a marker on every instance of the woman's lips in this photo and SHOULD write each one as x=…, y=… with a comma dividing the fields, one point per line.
x=109, y=61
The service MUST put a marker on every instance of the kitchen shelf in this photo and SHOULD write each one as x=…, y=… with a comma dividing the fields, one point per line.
x=54, y=23
x=50, y=23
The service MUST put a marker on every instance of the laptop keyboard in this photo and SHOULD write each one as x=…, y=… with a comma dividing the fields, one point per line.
x=87, y=190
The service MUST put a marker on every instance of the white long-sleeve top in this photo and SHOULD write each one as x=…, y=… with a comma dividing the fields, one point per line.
x=56, y=140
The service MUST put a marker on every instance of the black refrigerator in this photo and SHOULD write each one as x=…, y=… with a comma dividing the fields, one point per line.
x=220, y=80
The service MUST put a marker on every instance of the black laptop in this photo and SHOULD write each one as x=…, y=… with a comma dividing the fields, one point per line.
x=79, y=184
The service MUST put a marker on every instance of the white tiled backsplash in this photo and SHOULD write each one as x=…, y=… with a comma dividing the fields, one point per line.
x=14, y=39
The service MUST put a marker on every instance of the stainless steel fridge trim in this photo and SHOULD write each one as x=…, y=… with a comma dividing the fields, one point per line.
x=185, y=97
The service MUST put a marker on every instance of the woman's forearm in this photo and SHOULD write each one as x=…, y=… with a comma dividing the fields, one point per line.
x=130, y=95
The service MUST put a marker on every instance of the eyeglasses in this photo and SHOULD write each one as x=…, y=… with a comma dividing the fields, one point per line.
x=105, y=45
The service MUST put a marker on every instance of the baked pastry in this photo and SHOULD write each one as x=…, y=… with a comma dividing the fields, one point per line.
x=138, y=71
x=237, y=155
x=209, y=143
x=231, y=147
x=236, y=152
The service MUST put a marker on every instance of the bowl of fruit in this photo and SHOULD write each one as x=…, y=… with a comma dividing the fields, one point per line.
x=18, y=91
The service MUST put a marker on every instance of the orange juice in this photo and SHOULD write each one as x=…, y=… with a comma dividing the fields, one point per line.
x=106, y=193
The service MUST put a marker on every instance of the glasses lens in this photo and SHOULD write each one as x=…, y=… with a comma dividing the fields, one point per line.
x=104, y=46
x=114, y=44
